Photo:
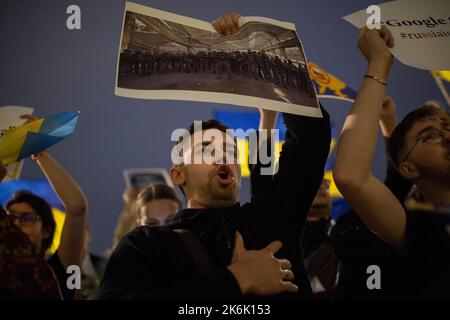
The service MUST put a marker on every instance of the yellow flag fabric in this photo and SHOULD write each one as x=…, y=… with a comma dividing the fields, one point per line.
x=443, y=74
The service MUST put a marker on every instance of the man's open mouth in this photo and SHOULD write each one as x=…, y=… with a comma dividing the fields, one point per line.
x=224, y=174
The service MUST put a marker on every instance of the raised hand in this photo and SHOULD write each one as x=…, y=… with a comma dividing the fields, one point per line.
x=29, y=118
x=374, y=45
x=227, y=24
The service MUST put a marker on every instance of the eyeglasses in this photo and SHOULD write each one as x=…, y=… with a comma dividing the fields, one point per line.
x=432, y=137
x=25, y=218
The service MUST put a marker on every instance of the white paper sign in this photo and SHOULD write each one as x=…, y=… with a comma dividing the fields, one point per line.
x=421, y=31
x=140, y=178
x=167, y=56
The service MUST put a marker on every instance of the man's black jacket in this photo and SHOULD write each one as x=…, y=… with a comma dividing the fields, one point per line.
x=153, y=263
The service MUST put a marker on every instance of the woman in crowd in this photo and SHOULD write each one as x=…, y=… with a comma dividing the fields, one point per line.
x=33, y=216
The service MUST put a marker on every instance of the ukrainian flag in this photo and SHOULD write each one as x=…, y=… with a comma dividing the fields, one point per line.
x=21, y=142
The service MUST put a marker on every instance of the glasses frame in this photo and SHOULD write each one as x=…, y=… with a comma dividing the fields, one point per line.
x=13, y=217
x=439, y=140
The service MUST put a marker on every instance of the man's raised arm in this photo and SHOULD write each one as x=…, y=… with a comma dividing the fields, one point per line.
x=370, y=198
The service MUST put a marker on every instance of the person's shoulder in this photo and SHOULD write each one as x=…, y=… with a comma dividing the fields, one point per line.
x=351, y=235
x=54, y=259
x=420, y=220
x=55, y=262
x=427, y=242
x=146, y=233
x=143, y=237
x=426, y=235
x=423, y=224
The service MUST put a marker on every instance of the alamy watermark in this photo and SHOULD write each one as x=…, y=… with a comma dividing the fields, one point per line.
x=73, y=21
x=74, y=277
x=374, y=280
x=212, y=146
x=374, y=20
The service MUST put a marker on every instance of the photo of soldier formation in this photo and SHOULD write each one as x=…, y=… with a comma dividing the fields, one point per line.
x=152, y=59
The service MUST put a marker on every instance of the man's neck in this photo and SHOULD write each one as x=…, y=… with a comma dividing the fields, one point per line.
x=193, y=204
x=436, y=194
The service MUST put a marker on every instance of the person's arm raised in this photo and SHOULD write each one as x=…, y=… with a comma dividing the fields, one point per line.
x=267, y=122
x=370, y=198
x=75, y=205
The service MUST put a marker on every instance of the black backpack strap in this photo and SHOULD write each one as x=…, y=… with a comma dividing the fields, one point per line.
x=196, y=250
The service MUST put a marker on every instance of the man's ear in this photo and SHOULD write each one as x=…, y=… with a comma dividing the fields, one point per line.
x=177, y=174
x=409, y=170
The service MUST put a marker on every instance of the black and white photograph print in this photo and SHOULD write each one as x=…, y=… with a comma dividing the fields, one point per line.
x=166, y=56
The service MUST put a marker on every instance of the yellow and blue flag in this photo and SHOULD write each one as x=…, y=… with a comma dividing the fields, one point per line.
x=23, y=141
x=329, y=86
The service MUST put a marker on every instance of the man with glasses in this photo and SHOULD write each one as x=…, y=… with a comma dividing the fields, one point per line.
x=429, y=135
x=418, y=241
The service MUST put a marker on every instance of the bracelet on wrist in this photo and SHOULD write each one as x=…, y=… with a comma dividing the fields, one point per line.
x=376, y=79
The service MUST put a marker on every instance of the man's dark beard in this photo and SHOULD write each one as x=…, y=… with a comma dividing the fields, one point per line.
x=219, y=194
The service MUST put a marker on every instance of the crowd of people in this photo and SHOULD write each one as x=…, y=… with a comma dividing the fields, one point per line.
x=256, y=65
x=283, y=243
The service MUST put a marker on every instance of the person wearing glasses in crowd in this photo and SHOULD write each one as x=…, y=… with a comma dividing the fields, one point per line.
x=34, y=217
x=418, y=240
x=337, y=253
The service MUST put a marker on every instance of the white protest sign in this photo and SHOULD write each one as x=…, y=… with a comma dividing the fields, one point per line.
x=421, y=31
x=163, y=55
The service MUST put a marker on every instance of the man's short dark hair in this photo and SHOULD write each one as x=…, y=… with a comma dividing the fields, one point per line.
x=208, y=124
x=397, y=141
